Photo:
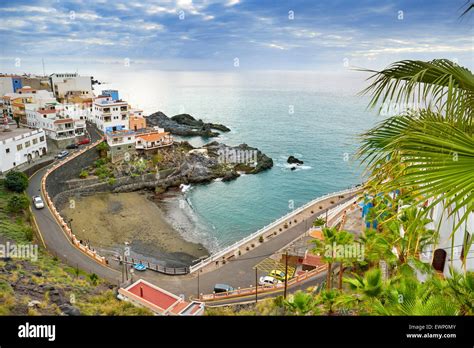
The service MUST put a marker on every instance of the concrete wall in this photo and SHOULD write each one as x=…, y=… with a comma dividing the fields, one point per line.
x=55, y=183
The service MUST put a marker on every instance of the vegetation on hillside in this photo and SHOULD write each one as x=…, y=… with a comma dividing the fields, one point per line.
x=43, y=285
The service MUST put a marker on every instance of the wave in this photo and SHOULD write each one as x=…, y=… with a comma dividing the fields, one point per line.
x=184, y=187
x=288, y=166
x=188, y=224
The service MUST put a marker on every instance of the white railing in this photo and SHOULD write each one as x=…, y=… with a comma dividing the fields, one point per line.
x=264, y=229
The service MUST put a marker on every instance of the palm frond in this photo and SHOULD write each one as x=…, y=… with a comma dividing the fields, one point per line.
x=439, y=84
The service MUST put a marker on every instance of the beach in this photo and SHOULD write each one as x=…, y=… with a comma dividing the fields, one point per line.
x=131, y=217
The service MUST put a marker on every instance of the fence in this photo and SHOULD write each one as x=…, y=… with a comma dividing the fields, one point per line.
x=62, y=224
x=262, y=289
x=264, y=229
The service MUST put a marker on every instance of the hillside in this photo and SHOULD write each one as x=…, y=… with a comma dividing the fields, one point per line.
x=41, y=284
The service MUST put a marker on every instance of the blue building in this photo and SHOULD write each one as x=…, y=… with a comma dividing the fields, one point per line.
x=111, y=92
x=16, y=81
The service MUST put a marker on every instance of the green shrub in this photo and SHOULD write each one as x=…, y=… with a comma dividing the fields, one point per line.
x=16, y=181
x=112, y=181
x=319, y=222
x=94, y=278
x=83, y=174
x=157, y=158
x=100, y=162
x=18, y=203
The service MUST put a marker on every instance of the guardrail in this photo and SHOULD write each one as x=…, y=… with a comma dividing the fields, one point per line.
x=158, y=268
x=262, y=289
x=84, y=248
x=264, y=229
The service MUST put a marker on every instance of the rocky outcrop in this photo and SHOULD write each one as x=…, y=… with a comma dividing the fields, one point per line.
x=294, y=160
x=186, y=165
x=185, y=125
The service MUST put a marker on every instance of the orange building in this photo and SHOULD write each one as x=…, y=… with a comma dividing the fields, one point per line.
x=136, y=122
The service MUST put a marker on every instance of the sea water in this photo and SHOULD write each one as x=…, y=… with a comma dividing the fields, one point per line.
x=313, y=116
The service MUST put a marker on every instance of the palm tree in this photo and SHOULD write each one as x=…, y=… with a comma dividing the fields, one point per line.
x=407, y=296
x=370, y=285
x=344, y=238
x=427, y=151
x=332, y=239
x=301, y=303
x=325, y=248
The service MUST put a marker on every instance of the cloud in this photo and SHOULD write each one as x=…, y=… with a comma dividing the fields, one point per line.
x=231, y=3
x=215, y=31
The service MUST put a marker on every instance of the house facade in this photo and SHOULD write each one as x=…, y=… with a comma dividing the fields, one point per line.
x=19, y=146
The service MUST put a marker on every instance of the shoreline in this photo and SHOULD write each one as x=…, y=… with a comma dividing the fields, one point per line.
x=133, y=217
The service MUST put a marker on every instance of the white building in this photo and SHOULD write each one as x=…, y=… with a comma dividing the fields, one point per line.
x=15, y=104
x=76, y=111
x=20, y=145
x=62, y=84
x=447, y=252
x=110, y=115
x=61, y=129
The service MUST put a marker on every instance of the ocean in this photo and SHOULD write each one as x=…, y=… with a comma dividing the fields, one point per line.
x=315, y=117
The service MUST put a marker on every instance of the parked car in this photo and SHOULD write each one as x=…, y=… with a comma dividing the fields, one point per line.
x=222, y=288
x=72, y=146
x=280, y=275
x=84, y=141
x=270, y=281
x=62, y=154
x=38, y=202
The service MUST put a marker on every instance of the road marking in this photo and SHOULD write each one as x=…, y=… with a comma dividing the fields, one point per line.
x=270, y=264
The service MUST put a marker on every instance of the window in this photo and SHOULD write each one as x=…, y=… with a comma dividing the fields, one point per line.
x=7, y=150
x=35, y=141
x=19, y=147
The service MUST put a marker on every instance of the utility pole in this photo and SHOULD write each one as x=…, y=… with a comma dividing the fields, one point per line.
x=256, y=285
x=199, y=271
x=286, y=273
x=327, y=217
x=123, y=265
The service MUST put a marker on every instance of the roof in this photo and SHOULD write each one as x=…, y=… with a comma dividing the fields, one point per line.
x=312, y=260
x=65, y=120
x=153, y=294
x=47, y=111
x=14, y=132
x=152, y=136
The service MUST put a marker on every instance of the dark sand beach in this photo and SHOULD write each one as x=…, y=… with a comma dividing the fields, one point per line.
x=131, y=217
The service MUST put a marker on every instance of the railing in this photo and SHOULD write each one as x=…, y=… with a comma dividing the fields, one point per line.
x=159, y=268
x=262, y=289
x=264, y=229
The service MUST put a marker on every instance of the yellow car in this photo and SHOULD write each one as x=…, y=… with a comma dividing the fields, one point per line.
x=277, y=274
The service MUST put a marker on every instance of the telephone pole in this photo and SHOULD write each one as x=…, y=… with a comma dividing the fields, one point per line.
x=286, y=273
x=256, y=285
x=199, y=271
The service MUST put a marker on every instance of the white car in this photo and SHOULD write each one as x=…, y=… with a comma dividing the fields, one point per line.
x=38, y=202
x=270, y=281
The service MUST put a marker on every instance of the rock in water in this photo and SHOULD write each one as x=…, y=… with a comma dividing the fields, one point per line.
x=294, y=160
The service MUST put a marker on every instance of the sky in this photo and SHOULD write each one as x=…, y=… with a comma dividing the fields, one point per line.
x=230, y=34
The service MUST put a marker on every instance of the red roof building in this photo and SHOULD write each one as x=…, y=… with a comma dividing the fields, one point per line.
x=159, y=301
